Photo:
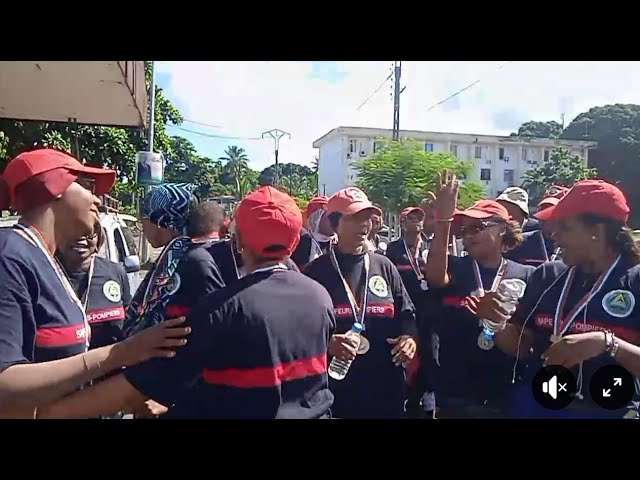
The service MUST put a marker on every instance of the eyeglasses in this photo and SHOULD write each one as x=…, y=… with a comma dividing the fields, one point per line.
x=477, y=227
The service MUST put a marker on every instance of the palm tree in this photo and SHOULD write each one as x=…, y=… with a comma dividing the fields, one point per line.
x=236, y=166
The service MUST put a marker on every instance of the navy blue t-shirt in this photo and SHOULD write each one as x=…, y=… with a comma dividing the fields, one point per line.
x=602, y=313
x=259, y=347
x=39, y=321
x=465, y=370
x=229, y=261
x=374, y=387
x=301, y=254
x=533, y=250
x=109, y=295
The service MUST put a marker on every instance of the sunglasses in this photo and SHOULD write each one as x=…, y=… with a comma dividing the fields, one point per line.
x=87, y=183
x=478, y=227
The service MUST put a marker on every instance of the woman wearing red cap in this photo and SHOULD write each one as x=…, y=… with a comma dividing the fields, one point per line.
x=582, y=314
x=366, y=288
x=259, y=345
x=472, y=382
x=551, y=198
x=409, y=255
x=44, y=333
x=316, y=239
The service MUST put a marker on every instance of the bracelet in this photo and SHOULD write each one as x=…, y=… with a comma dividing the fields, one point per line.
x=615, y=347
x=35, y=413
x=612, y=344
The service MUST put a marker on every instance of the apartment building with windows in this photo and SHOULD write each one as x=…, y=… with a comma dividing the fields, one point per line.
x=499, y=162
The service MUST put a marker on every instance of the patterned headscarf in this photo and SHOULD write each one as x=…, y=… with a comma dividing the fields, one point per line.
x=168, y=206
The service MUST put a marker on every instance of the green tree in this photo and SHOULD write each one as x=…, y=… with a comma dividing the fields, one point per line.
x=298, y=180
x=549, y=129
x=236, y=169
x=616, y=128
x=563, y=168
x=401, y=172
x=185, y=165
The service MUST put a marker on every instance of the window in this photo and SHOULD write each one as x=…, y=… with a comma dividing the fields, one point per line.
x=104, y=249
x=117, y=236
x=546, y=155
x=131, y=241
x=454, y=150
x=525, y=154
x=478, y=152
x=501, y=153
x=485, y=174
x=508, y=177
x=428, y=147
x=353, y=146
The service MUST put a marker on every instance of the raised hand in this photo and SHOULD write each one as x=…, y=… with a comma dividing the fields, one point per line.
x=446, y=199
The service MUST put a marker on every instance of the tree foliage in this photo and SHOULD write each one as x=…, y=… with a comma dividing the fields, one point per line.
x=299, y=181
x=549, y=129
x=616, y=128
x=401, y=172
x=563, y=168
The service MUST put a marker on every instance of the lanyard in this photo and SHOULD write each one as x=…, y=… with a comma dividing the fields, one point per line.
x=413, y=260
x=562, y=324
x=30, y=236
x=502, y=269
x=316, y=250
x=232, y=247
x=350, y=296
x=85, y=298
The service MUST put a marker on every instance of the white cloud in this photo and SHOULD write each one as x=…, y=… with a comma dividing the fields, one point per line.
x=247, y=98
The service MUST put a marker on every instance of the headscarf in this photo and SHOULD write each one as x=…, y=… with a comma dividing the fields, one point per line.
x=314, y=231
x=168, y=206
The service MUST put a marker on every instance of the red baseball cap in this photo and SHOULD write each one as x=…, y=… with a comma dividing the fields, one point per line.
x=589, y=196
x=37, y=162
x=553, y=195
x=267, y=218
x=483, y=209
x=409, y=210
x=350, y=200
x=314, y=204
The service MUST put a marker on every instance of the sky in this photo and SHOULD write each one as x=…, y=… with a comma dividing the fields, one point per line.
x=308, y=99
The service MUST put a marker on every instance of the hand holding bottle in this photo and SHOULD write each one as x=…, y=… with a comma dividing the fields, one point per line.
x=344, y=346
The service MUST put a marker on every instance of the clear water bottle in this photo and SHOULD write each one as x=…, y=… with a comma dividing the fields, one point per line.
x=511, y=290
x=337, y=368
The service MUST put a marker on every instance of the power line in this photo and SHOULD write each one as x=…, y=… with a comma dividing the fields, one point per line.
x=200, y=123
x=375, y=91
x=212, y=135
x=473, y=84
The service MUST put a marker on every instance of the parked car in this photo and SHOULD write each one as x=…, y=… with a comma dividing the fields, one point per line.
x=120, y=247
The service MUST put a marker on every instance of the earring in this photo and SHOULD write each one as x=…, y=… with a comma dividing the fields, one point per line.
x=593, y=237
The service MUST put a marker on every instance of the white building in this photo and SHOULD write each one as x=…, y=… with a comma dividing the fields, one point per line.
x=500, y=162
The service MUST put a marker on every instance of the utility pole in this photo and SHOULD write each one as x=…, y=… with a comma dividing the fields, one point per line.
x=396, y=100
x=276, y=135
x=144, y=247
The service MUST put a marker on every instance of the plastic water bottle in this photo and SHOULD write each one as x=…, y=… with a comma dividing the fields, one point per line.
x=337, y=368
x=511, y=290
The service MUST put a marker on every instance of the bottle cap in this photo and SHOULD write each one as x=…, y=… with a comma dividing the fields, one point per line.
x=357, y=327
